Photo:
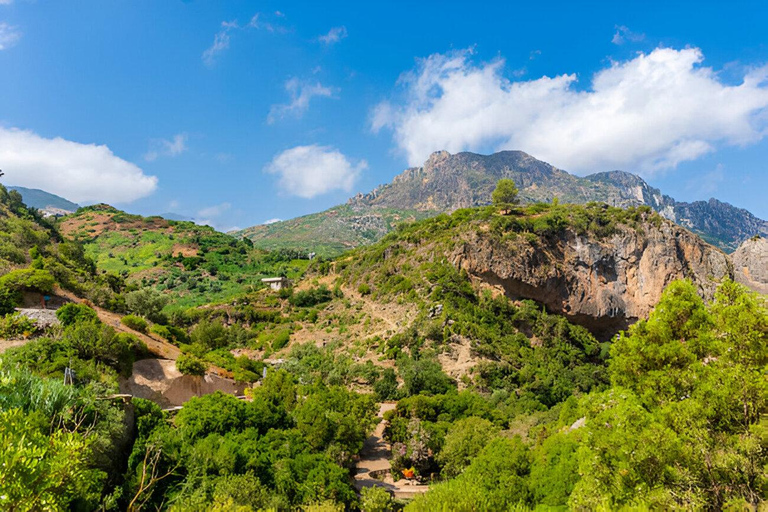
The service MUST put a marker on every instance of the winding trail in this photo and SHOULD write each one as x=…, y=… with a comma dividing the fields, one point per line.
x=373, y=468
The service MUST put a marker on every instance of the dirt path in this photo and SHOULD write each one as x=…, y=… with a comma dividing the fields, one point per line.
x=373, y=469
x=156, y=345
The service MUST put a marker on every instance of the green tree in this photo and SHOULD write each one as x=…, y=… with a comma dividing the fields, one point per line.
x=189, y=364
x=72, y=313
x=146, y=302
x=375, y=499
x=465, y=439
x=41, y=472
x=505, y=194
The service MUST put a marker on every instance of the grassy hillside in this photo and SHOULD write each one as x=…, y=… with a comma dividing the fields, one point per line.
x=190, y=264
x=30, y=244
x=331, y=232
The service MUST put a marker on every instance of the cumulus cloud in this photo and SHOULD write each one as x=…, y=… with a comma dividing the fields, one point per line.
x=79, y=172
x=623, y=34
x=333, y=36
x=301, y=94
x=645, y=114
x=271, y=221
x=9, y=35
x=309, y=171
x=162, y=147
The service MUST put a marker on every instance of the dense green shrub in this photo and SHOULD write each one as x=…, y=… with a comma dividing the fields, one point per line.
x=72, y=313
x=189, y=364
x=135, y=322
x=311, y=297
x=16, y=325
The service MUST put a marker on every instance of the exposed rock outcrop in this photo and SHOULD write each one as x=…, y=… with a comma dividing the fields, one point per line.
x=159, y=380
x=603, y=284
x=750, y=264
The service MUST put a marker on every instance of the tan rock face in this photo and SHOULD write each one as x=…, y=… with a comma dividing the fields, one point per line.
x=750, y=264
x=603, y=284
x=159, y=380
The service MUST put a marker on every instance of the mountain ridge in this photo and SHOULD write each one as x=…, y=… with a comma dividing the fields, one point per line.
x=45, y=201
x=447, y=182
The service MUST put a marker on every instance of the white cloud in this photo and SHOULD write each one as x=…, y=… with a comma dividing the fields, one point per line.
x=6, y=2
x=301, y=94
x=9, y=35
x=333, y=36
x=271, y=221
x=623, y=34
x=645, y=114
x=309, y=171
x=162, y=147
x=220, y=43
x=222, y=38
x=79, y=172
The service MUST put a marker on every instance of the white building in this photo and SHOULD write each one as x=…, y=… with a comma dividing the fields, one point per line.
x=277, y=283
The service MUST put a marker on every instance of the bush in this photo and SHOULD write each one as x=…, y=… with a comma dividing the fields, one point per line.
x=135, y=322
x=386, y=386
x=188, y=364
x=424, y=376
x=375, y=499
x=72, y=313
x=311, y=297
x=364, y=289
x=28, y=279
x=146, y=302
x=281, y=340
x=17, y=325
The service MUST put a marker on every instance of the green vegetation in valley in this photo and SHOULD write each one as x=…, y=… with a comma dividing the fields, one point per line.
x=670, y=415
x=331, y=232
x=683, y=425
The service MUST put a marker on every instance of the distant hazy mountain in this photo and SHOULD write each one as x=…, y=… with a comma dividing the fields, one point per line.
x=43, y=200
x=447, y=182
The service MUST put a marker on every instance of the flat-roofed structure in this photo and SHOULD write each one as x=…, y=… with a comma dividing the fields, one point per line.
x=277, y=283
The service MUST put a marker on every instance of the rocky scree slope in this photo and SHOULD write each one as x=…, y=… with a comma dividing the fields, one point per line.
x=447, y=182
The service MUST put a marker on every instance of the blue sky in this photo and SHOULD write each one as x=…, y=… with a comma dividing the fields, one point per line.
x=240, y=112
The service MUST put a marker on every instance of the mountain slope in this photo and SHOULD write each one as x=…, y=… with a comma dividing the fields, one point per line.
x=447, y=182
x=42, y=200
x=191, y=264
x=601, y=267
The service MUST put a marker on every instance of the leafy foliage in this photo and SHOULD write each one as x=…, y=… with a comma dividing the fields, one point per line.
x=505, y=194
x=188, y=364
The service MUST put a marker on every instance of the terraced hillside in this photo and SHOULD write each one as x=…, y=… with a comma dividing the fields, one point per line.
x=190, y=264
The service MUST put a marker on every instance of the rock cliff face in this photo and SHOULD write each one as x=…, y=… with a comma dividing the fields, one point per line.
x=605, y=284
x=750, y=264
